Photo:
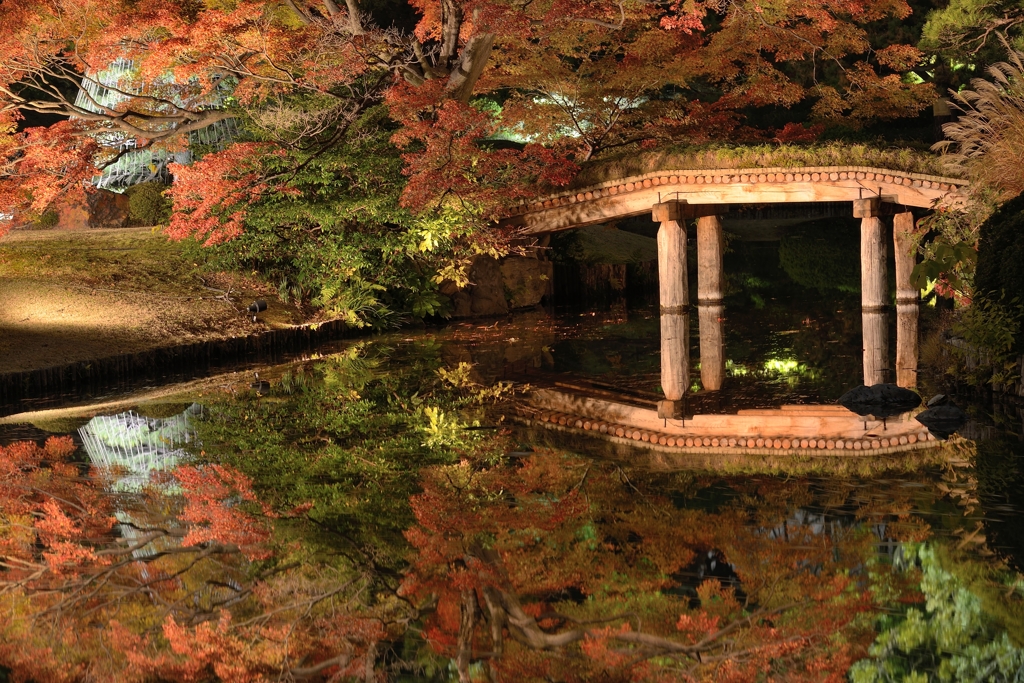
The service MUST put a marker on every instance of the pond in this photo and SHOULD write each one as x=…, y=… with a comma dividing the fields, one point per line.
x=386, y=509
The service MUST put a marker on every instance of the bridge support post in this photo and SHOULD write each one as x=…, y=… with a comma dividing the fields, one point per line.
x=873, y=290
x=710, y=276
x=904, y=248
x=712, y=345
x=710, y=292
x=675, y=301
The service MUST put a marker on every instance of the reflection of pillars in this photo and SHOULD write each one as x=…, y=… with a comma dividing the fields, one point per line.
x=712, y=345
x=675, y=319
x=873, y=291
x=904, y=247
x=876, y=344
x=675, y=360
x=710, y=290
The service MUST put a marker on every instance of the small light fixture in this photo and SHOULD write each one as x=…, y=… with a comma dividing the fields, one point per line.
x=256, y=307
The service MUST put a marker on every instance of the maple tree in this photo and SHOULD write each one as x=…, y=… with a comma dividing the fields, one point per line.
x=573, y=79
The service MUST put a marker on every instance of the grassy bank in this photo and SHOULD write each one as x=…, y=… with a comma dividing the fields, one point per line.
x=71, y=295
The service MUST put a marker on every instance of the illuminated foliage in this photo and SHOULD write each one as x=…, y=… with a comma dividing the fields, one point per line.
x=572, y=79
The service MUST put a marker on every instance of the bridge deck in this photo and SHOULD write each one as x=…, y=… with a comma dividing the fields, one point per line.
x=636, y=195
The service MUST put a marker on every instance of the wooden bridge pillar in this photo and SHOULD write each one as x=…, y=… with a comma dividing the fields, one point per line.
x=675, y=301
x=907, y=297
x=873, y=290
x=710, y=271
x=710, y=292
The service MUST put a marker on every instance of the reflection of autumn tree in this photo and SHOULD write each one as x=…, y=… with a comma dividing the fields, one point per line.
x=214, y=598
x=556, y=569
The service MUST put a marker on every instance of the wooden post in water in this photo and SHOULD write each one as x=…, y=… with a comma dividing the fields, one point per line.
x=710, y=292
x=675, y=300
x=873, y=292
x=905, y=249
x=712, y=345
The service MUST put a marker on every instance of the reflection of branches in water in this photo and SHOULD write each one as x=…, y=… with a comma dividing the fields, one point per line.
x=504, y=613
x=149, y=598
x=520, y=561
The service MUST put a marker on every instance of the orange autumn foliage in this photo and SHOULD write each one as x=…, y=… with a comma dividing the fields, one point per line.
x=559, y=569
x=575, y=80
x=97, y=586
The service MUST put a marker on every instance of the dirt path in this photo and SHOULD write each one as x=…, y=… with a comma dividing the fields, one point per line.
x=71, y=295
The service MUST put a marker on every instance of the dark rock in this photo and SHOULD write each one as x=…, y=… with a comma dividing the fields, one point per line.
x=462, y=304
x=487, y=291
x=880, y=400
x=107, y=209
x=943, y=420
x=525, y=280
x=496, y=287
x=73, y=214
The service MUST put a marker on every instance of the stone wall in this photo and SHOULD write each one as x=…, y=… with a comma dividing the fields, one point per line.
x=499, y=286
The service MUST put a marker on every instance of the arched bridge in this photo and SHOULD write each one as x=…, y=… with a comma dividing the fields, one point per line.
x=714, y=189
x=674, y=197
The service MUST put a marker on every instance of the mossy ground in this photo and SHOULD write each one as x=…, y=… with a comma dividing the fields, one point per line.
x=760, y=156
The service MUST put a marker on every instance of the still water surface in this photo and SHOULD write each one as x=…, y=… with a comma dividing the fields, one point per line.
x=403, y=521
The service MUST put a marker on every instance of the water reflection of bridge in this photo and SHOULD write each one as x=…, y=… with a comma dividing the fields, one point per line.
x=807, y=429
x=874, y=193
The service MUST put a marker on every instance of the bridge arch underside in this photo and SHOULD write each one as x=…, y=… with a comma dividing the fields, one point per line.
x=715, y=190
x=671, y=198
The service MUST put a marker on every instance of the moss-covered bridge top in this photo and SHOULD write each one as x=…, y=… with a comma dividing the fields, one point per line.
x=635, y=195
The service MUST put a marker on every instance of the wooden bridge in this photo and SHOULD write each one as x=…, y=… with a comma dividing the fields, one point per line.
x=674, y=197
x=635, y=195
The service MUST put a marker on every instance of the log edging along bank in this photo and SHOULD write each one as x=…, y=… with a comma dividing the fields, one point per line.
x=63, y=383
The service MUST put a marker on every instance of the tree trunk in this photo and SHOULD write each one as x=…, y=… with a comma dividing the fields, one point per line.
x=470, y=66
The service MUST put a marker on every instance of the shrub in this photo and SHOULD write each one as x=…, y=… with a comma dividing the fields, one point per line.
x=48, y=219
x=147, y=204
x=1000, y=271
x=988, y=331
x=338, y=238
